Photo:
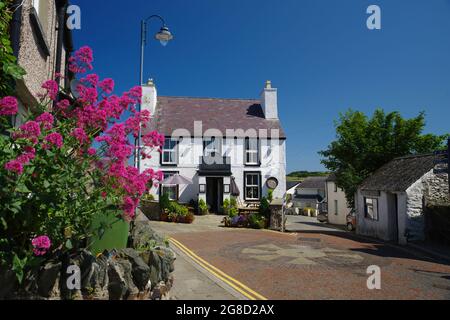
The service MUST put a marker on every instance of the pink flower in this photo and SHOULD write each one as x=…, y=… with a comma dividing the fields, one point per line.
x=53, y=139
x=129, y=206
x=107, y=85
x=81, y=61
x=14, y=166
x=41, y=245
x=46, y=119
x=8, y=106
x=52, y=89
x=92, y=151
x=80, y=135
x=91, y=79
x=62, y=107
x=29, y=130
x=87, y=95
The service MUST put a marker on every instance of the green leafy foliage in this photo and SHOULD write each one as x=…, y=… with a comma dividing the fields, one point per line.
x=10, y=71
x=202, y=207
x=365, y=144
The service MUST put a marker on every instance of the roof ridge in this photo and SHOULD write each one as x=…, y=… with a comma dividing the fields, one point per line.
x=410, y=156
x=209, y=98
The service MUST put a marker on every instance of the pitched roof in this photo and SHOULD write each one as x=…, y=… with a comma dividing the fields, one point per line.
x=291, y=184
x=313, y=183
x=181, y=112
x=399, y=174
x=317, y=197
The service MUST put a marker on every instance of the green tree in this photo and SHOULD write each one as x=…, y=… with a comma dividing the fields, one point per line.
x=365, y=144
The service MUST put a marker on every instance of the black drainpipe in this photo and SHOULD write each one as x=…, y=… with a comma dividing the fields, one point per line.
x=61, y=8
x=16, y=26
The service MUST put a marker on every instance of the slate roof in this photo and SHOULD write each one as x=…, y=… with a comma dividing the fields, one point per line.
x=291, y=184
x=399, y=174
x=180, y=112
x=317, y=197
x=313, y=183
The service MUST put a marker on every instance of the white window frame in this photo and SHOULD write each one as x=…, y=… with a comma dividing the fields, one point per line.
x=212, y=145
x=252, y=186
x=371, y=208
x=249, y=151
x=172, y=150
x=170, y=186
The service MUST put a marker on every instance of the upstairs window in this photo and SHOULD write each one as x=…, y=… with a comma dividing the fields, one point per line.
x=170, y=152
x=371, y=208
x=251, y=151
x=252, y=186
x=212, y=147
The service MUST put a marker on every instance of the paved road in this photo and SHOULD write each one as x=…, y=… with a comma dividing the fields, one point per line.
x=316, y=262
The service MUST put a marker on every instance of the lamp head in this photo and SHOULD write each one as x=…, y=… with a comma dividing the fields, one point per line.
x=164, y=36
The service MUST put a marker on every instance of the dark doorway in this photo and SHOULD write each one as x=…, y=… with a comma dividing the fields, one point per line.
x=214, y=194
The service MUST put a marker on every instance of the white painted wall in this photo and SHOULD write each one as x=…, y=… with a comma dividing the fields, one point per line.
x=273, y=164
x=342, y=209
x=375, y=228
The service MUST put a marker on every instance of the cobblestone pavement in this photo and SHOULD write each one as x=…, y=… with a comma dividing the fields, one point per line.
x=313, y=264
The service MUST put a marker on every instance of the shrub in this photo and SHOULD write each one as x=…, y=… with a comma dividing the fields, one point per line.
x=53, y=182
x=202, y=207
x=164, y=201
x=230, y=207
x=264, y=208
x=270, y=196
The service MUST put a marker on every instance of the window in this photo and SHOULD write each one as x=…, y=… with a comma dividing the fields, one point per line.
x=251, y=151
x=169, y=153
x=336, y=207
x=335, y=187
x=212, y=147
x=371, y=208
x=252, y=186
x=170, y=189
x=41, y=7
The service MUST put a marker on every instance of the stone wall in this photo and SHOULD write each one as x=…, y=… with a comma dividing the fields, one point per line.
x=141, y=273
x=431, y=190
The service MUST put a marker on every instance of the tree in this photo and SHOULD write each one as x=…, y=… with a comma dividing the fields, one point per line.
x=363, y=145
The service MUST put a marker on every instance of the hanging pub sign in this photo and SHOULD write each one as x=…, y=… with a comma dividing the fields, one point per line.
x=272, y=183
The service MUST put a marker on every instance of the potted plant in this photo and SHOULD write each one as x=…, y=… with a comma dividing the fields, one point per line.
x=202, y=207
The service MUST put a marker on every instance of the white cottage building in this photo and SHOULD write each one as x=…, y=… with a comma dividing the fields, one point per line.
x=214, y=141
x=390, y=203
x=338, y=209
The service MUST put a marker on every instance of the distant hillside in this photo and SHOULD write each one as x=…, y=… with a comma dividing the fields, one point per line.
x=299, y=175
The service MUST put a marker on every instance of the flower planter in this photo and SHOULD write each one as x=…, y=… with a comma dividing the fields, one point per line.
x=151, y=209
x=113, y=237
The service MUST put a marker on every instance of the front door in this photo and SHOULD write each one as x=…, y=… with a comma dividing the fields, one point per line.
x=214, y=194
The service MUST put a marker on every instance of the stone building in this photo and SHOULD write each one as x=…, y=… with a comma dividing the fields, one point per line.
x=390, y=204
x=41, y=47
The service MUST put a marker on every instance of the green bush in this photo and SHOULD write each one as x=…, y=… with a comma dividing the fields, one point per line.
x=164, y=201
x=264, y=208
x=256, y=221
x=202, y=207
x=230, y=207
x=270, y=196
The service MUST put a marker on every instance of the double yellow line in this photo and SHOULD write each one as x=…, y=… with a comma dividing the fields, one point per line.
x=238, y=286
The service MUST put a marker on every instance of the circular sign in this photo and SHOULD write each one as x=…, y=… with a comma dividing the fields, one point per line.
x=272, y=183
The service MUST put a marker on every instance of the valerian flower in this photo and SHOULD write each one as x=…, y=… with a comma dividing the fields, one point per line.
x=8, y=106
x=41, y=245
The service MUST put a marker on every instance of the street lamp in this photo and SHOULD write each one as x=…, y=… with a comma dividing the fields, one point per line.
x=163, y=36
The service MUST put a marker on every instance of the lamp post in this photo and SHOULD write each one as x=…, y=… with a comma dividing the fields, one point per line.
x=164, y=36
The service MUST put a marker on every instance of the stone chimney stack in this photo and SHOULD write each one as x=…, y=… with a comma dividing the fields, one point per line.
x=149, y=96
x=269, y=101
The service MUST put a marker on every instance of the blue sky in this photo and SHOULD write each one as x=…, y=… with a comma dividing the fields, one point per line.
x=318, y=53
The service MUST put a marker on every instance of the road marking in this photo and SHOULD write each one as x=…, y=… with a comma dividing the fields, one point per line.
x=235, y=284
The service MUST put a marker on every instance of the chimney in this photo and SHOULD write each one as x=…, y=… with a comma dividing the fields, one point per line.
x=149, y=96
x=269, y=101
